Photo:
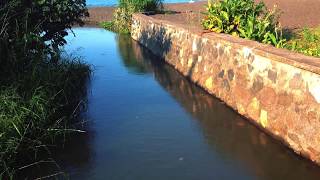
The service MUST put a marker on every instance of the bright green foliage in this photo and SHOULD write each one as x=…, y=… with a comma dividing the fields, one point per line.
x=141, y=5
x=107, y=25
x=123, y=14
x=49, y=19
x=37, y=25
x=122, y=18
x=306, y=41
x=244, y=18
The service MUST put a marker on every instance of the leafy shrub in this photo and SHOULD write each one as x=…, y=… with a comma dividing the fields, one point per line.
x=141, y=5
x=34, y=26
x=306, y=41
x=123, y=14
x=244, y=18
x=122, y=18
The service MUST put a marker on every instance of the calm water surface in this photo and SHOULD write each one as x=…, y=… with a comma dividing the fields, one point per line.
x=147, y=122
x=115, y=2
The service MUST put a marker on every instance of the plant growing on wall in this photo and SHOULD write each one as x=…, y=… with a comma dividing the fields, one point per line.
x=244, y=18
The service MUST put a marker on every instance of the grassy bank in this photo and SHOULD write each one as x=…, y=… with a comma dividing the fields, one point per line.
x=37, y=106
x=42, y=90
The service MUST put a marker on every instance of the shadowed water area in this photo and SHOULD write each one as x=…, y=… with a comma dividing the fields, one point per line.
x=146, y=121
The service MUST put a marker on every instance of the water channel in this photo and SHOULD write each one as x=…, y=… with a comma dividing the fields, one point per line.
x=146, y=121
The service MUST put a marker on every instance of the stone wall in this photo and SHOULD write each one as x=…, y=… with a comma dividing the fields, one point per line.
x=277, y=90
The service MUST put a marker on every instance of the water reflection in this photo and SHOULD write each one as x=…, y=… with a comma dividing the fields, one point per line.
x=226, y=132
x=149, y=122
x=130, y=56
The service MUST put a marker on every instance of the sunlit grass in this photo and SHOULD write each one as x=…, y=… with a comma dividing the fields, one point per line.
x=306, y=41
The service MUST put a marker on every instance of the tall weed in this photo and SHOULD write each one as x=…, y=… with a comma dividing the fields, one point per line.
x=40, y=90
x=38, y=105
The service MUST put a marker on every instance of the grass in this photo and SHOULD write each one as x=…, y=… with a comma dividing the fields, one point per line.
x=38, y=105
x=107, y=25
x=42, y=91
x=305, y=41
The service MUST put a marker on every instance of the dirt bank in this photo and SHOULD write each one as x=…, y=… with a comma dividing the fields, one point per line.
x=99, y=14
x=295, y=13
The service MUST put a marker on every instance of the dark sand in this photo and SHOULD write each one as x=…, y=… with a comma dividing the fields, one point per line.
x=100, y=14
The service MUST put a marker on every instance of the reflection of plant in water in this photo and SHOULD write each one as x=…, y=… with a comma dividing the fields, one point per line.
x=130, y=52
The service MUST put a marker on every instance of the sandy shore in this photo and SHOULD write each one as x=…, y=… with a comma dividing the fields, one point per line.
x=294, y=13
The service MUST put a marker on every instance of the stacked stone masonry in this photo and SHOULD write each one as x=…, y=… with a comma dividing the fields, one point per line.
x=277, y=90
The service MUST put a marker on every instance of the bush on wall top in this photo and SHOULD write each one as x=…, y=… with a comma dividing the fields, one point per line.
x=122, y=16
x=244, y=18
x=141, y=5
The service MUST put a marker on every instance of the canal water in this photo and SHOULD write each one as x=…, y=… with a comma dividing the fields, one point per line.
x=148, y=122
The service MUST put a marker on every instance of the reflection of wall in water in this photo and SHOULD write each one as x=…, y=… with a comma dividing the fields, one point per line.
x=226, y=132
x=273, y=88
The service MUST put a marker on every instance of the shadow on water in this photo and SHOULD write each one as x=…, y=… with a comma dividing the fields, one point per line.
x=226, y=132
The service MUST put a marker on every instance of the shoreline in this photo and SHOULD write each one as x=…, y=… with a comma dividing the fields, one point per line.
x=294, y=15
x=105, y=13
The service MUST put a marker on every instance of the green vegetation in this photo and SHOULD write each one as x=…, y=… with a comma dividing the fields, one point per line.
x=122, y=16
x=306, y=41
x=107, y=25
x=41, y=89
x=244, y=18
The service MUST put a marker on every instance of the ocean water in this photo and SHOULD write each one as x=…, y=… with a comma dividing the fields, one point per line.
x=114, y=2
